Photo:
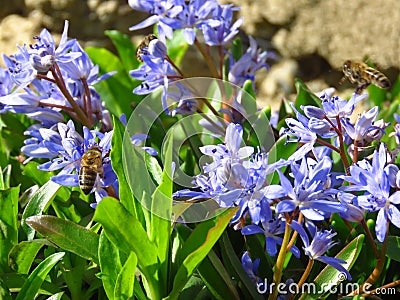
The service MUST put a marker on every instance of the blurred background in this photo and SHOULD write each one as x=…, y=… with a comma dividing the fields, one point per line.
x=311, y=38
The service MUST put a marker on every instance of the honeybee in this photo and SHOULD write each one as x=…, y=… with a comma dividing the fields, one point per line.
x=363, y=75
x=91, y=165
x=141, y=49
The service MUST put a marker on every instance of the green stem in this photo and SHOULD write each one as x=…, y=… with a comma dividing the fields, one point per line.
x=279, y=263
x=304, y=276
x=208, y=59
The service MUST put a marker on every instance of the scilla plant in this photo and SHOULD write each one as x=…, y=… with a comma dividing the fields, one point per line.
x=122, y=177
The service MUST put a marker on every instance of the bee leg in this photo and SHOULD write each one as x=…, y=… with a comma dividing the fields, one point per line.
x=342, y=80
x=360, y=88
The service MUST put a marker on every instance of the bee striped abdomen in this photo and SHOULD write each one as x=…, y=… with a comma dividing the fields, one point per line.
x=91, y=166
x=378, y=78
x=87, y=179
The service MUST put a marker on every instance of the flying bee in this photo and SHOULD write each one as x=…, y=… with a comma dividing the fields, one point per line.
x=91, y=165
x=363, y=75
x=142, y=48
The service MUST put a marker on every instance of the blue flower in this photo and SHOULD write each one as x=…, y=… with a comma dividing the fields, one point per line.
x=251, y=268
x=271, y=228
x=321, y=242
x=219, y=30
x=311, y=191
x=246, y=67
x=376, y=180
x=163, y=12
x=363, y=125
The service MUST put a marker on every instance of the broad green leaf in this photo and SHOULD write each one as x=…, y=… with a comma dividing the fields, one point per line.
x=4, y=291
x=248, y=98
x=217, y=279
x=115, y=91
x=40, y=201
x=125, y=193
x=161, y=225
x=124, y=287
x=237, y=48
x=35, y=280
x=14, y=282
x=393, y=247
x=395, y=92
x=8, y=224
x=132, y=237
x=197, y=246
x=22, y=256
x=329, y=276
x=56, y=296
x=377, y=96
x=125, y=48
x=110, y=264
x=67, y=235
x=305, y=96
x=192, y=289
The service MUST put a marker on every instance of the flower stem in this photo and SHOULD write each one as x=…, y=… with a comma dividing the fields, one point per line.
x=294, y=236
x=304, y=276
x=342, y=149
x=370, y=238
x=279, y=263
x=208, y=59
x=81, y=116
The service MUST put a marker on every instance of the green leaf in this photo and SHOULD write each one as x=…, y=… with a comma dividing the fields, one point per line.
x=393, y=248
x=114, y=217
x=237, y=48
x=40, y=201
x=329, y=276
x=35, y=280
x=56, y=296
x=305, y=96
x=22, y=256
x=124, y=287
x=161, y=225
x=110, y=264
x=4, y=291
x=377, y=96
x=125, y=193
x=125, y=48
x=248, y=99
x=67, y=235
x=115, y=91
x=8, y=224
x=231, y=258
x=281, y=149
x=197, y=246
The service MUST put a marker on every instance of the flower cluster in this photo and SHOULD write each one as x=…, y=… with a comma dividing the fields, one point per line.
x=215, y=22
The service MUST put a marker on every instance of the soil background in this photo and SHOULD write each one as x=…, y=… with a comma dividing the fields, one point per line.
x=312, y=38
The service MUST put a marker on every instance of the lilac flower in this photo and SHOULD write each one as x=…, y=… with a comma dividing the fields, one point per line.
x=336, y=107
x=251, y=268
x=246, y=67
x=193, y=15
x=376, y=179
x=163, y=12
x=25, y=65
x=322, y=241
x=363, y=125
x=155, y=72
x=219, y=30
x=44, y=53
x=66, y=147
x=311, y=191
x=271, y=228
x=236, y=177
